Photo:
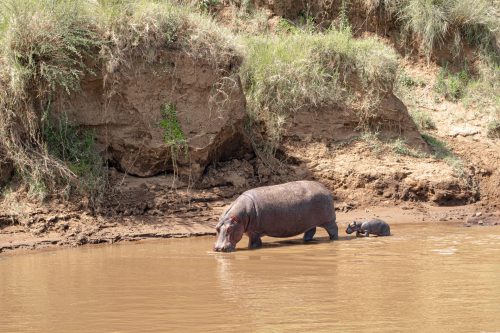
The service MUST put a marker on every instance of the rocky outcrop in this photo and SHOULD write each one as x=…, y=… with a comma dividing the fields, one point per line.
x=124, y=109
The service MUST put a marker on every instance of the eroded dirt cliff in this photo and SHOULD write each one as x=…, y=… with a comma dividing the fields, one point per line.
x=125, y=110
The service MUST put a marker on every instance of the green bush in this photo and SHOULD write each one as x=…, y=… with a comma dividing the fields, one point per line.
x=75, y=147
x=173, y=134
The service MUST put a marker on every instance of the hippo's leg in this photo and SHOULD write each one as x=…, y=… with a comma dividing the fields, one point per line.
x=309, y=234
x=254, y=240
x=332, y=229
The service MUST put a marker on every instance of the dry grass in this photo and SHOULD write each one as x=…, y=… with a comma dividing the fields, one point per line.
x=432, y=22
x=47, y=47
x=287, y=72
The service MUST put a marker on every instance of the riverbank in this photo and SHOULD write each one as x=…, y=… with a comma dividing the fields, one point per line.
x=172, y=111
x=71, y=229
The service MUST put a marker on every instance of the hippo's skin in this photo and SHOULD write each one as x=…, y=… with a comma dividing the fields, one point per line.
x=369, y=227
x=284, y=210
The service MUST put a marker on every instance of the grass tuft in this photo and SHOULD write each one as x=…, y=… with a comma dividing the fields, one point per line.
x=452, y=86
x=285, y=73
x=493, y=128
x=434, y=22
x=400, y=147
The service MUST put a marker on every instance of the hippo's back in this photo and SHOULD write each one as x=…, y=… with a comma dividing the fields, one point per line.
x=377, y=227
x=289, y=209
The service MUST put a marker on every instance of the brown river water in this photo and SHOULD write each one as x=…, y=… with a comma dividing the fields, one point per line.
x=425, y=278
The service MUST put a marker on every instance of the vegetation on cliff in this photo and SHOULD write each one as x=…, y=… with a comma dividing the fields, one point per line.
x=284, y=73
x=434, y=22
x=46, y=49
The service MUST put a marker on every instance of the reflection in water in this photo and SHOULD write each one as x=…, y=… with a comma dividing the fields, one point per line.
x=425, y=278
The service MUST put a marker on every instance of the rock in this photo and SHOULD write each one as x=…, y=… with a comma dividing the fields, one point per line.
x=463, y=131
x=82, y=239
x=236, y=180
x=317, y=123
x=486, y=219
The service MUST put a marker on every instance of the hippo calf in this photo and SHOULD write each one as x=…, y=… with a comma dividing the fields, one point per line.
x=369, y=227
x=284, y=210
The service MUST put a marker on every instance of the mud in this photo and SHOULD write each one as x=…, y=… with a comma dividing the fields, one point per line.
x=196, y=216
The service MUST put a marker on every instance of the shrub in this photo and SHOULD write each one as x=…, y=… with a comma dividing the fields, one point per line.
x=75, y=147
x=484, y=92
x=399, y=147
x=44, y=46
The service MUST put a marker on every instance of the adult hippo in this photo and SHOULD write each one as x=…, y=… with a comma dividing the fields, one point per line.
x=284, y=210
x=369, y=227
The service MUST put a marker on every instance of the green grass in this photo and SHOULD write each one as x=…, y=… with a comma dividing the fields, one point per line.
x=48, y=46
x=423, y=120
x=452, y=86
x=400, y=147
x=434, y=22
x=173, y=134
x=408, y=81
x=75, y=147
x=285, y=73
x=483, y=93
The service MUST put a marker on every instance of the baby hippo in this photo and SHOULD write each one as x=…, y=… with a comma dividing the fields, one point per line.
x=373, y=226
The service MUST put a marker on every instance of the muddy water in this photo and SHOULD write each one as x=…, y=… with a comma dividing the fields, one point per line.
x=427, y=278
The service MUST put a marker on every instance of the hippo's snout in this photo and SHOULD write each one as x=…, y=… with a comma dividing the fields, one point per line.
x=229, y=248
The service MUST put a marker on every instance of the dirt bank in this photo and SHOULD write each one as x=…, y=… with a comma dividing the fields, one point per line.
x=145, y=208
x=54, y=229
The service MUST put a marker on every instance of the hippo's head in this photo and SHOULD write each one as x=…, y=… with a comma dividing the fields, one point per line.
x=352, y=227
x=229, y=232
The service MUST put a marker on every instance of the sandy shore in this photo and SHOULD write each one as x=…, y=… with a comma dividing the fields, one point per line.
x=73, y=229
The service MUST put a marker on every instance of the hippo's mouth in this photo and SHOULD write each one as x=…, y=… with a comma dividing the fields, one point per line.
x=230, y=248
